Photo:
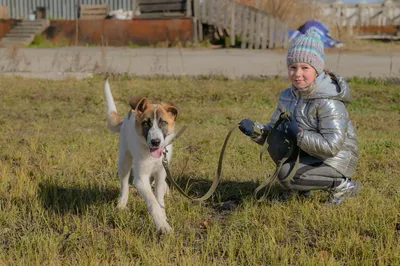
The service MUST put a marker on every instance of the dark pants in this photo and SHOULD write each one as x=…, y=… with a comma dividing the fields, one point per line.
x=312, y=174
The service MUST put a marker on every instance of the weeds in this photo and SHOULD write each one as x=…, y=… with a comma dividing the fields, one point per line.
x=41, y=42
x=376, y=81
x=59, y=185
x=78, y=62
x=15, y=60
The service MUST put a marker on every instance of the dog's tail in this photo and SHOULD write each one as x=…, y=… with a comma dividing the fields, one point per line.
x=114, y=121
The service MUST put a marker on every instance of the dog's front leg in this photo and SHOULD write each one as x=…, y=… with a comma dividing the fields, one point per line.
x=124, y=168
x=161, y=187
x=142, y=183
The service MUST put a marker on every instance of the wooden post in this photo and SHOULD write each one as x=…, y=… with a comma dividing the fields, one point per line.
x=285, y=36
x=226, y=15
x=134, y=6
x=360, y=15
x=196, y=9
x=198, y=29
x=64, y=11
x=271, y=31
x=258, y=30
x=278, y=34
x=210, y=12
x=188, y=8
x=233, y=19
x=195, y=34
x=251, y=29
x=204, y=17
x=195, y=21
x=245, y=20
x=76, y=22
x=264, y=32
x=217, y=13
x=239, y=20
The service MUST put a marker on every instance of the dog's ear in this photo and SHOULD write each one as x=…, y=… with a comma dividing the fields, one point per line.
x=171, y=109
x=138, y=104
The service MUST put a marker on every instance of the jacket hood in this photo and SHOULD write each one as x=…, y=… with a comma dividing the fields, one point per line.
x=329, y=86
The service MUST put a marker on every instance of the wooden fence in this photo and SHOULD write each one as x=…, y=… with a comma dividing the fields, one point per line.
x=386, y=13
x=255, y=28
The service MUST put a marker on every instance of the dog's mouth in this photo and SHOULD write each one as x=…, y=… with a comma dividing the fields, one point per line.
x=156, y=152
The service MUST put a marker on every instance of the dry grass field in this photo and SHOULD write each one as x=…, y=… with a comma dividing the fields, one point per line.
x=59, y=184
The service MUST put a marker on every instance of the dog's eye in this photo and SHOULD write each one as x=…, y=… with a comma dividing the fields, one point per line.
x=163, y=123
x=146, y=123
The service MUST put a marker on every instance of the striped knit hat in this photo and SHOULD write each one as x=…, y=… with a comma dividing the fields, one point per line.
x=308, y=49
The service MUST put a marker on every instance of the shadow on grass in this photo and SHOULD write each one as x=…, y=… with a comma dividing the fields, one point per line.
x=236, y=191
x=74, y=200
x=77, y=199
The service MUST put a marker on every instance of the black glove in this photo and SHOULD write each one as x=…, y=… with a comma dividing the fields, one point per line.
x=247, y=127
x=293, y=129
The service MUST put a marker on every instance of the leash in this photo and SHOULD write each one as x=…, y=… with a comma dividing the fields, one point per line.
x=268, y=180
x=217, y=177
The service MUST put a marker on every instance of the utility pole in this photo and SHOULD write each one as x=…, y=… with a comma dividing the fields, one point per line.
x=76, y=22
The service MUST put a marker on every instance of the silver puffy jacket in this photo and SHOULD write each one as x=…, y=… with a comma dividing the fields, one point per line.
x=327, y=132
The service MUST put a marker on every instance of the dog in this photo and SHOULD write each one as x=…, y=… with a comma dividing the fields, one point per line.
x=144, y=134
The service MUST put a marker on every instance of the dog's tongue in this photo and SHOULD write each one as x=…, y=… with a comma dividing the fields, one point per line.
x=156, y=153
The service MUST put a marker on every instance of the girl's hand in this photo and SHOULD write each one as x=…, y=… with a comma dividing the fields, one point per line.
x=247, y=127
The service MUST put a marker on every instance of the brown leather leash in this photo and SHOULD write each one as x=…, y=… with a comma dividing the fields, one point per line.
x=268, y=180
x=217, y=177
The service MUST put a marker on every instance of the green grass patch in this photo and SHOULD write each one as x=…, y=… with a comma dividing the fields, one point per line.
x=41, y=42
x=59, y=184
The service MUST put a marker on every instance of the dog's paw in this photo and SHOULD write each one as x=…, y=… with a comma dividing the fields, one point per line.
x=121, y=206
x=122, y=202
x=164, y=229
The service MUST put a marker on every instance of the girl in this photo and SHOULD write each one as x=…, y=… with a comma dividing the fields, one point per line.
x=319, y=124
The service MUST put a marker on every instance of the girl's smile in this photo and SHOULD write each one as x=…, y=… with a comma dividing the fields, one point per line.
x=302, y=75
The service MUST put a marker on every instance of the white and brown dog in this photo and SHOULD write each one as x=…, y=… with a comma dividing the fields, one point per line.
x=144, y=133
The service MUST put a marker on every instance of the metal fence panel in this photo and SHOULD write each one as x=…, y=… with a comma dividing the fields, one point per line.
x=58, y=9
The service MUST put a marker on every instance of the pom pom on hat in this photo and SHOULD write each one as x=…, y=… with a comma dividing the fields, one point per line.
x=307, y=48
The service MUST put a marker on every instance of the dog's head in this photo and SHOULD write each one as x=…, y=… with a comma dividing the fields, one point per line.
x=155, y=122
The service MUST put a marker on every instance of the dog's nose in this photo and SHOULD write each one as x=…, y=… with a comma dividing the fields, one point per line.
x=155, y=142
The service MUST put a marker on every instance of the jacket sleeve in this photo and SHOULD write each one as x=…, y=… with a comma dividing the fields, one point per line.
x=275, y=117
x=283, y=97
x=329, y=138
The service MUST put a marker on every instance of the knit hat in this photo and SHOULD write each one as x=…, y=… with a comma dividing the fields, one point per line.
x=307, y=48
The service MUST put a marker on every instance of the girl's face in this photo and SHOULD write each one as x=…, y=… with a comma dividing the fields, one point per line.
x=302, y=75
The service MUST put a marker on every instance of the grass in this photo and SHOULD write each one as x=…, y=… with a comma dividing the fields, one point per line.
x=41, y=42
x=352, y=45
x=59, y=184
